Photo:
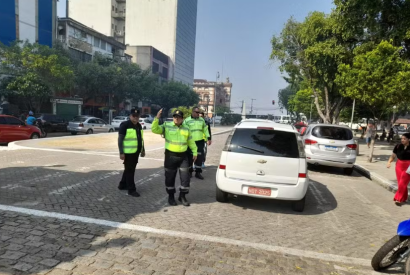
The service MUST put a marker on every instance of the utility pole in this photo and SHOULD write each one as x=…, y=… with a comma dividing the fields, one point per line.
x=252, y=99
x=216, y=83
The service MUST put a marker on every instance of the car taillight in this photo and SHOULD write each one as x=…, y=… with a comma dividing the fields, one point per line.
x=228, y=142
x=222, y=167
x=310, y=142
x=352, y=146
x=302, y=175
x=81, y=125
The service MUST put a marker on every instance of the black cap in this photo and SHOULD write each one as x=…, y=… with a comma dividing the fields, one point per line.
x=178, y=113
x=135, y=112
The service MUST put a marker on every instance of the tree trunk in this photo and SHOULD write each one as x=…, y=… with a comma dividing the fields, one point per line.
x=319, y=111
x=371, y=150
x=327, y=107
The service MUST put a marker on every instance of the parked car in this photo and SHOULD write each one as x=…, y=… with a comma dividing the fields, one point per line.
x=145, y=123
x=263, y=159
x=53, y=123
x=89, y=125
x=149, y=118
x=330, y=145
x=13, y=129
x=116, y=122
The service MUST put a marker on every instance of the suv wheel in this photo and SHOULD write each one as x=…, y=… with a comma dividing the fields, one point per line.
x=348, y=171
x=221, y=196
x=89, y=131
x=299, y=206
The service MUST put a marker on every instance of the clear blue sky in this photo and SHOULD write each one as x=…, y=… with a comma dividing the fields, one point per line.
x=237, y=33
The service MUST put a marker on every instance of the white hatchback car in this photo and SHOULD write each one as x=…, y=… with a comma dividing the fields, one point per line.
x=263, y=159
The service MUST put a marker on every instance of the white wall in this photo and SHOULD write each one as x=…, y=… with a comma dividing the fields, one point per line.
x=27, y=30
x=95, y=14
x=153, y=23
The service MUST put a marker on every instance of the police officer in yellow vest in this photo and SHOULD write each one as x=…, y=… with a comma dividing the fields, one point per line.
x=198, y=128
x=177, y=140
x=130, y=145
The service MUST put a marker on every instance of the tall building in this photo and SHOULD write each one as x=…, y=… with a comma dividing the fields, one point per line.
x=169, y=26
x=28, y=20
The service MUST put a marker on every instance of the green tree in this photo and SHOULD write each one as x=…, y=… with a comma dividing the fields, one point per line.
x=173, y=94
x=310, y=53
x=379, y=79
x=37, y=72
x=285, y=96
x=221, y=110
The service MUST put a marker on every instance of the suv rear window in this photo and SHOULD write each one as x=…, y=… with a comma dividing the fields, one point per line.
x=330, y=132
x=264, y=142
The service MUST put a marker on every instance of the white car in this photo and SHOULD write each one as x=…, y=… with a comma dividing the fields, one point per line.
x=145, y=123
x=116, y=122
x=263, y=159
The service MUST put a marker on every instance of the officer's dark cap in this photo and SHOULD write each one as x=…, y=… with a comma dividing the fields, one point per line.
x=178, y=113
x=135, y=112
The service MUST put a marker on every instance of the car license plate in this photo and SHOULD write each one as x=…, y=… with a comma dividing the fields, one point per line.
x=330, y=148
x=259, y=191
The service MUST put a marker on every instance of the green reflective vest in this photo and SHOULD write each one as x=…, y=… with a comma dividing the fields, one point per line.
x=177, y=139
x=131, y=141
x=198, y=128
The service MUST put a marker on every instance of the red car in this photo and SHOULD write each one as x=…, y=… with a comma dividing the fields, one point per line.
x=13, y=129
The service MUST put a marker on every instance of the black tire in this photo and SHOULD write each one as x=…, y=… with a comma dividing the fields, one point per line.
x=310, y=166
x=299, y=206
x=395, y=246
x=110, y=131
x=348, y=171
x=73, y=133
x=44, y=134
x=89, y=131
x=35, y=136
x=221, y=196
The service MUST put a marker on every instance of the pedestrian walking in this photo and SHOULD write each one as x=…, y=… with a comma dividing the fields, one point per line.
x=198, y=128
x=130, y=145
x=402, y=153
x=177, y=140
x=208, y=123
x=370, y=134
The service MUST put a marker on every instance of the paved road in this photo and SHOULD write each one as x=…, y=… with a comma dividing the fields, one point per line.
x=83, y=224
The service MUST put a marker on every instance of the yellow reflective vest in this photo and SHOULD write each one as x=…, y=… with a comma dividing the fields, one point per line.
x=198, y=128
x=130, y=142
x=177, y=139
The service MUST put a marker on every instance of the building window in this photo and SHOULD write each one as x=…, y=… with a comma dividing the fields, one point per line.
x=116, y=9
x=96, y=42
x=113, y=8
x=112, y=26
x=103, y=45
x=165, y=72
x=123, y=28
x=155, y=67
x=115, y=27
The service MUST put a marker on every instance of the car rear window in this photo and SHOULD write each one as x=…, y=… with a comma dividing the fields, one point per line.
x=264, y=142
x=329, y=132
x=79, y=119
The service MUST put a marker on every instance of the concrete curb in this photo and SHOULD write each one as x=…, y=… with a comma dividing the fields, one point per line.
x=15, y=146
x=385, y=183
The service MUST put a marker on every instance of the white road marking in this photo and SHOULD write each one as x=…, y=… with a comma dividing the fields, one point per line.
x=93, y=180
x=192, y=236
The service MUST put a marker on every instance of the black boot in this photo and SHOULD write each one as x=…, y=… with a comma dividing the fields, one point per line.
x=198, y=176
x=183, y=199
x=171, y=200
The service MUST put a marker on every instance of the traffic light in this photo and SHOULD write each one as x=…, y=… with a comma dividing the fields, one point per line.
x=273, y=102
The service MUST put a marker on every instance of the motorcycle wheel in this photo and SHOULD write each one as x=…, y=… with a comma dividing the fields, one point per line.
x=44, y=134
x=390, y=252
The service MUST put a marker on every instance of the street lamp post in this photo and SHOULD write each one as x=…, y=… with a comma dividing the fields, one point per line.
x=351, y=121
x=216, y=82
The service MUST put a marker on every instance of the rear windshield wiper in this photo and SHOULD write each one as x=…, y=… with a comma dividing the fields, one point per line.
x=250, y=148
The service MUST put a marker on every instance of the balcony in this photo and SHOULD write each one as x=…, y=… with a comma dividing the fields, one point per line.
x=80, y=45
x=118, y=15
x=119, y=34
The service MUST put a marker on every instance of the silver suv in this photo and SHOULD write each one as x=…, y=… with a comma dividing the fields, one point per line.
x=330, y=145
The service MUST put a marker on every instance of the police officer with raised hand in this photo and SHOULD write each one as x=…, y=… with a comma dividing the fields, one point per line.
x=177, y=140
x=199, y=130
x=130, y=145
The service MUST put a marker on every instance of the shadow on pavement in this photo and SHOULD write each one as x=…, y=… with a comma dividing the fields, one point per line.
x=330, y=170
